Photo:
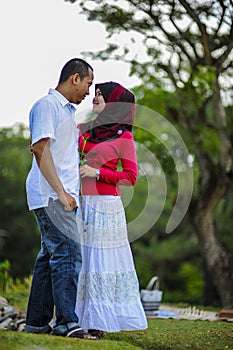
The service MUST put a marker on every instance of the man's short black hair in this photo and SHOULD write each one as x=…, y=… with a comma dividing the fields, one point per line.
x=75, y=65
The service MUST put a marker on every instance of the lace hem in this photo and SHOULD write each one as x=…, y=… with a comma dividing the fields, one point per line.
x=108, y=287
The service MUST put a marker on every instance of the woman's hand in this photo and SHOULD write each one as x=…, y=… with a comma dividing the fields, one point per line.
x=87, y=171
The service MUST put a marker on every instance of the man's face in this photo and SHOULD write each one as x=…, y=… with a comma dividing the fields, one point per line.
x=82, y=87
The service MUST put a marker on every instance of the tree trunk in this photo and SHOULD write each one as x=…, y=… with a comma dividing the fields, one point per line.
x=210, y=293
x=214, y=183
x=219, y=261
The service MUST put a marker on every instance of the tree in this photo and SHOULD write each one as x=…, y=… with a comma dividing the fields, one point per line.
x=187, y=52
x=21, y=238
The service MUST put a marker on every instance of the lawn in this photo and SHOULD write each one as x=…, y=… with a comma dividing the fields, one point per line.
x=162, y=334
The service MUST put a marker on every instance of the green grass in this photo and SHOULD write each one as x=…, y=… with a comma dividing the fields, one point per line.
x=18, y=299
x=162, y=334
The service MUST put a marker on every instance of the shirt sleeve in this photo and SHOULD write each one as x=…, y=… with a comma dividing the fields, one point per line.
x=127, y=153
x=42, y=121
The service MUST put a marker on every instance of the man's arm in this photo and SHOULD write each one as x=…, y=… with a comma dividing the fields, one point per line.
x=44, y=159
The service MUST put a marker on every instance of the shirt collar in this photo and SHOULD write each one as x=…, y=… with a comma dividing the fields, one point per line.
x=61, y=98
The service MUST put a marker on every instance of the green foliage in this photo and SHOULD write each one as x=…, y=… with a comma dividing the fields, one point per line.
x=17, y=292
x=4, y=275
x=187, y=285
x=194, y=284
x=21, y=239
x=176, y=260
x=203, y=81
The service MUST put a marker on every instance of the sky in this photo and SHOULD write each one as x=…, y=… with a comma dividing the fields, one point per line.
x=37, y=38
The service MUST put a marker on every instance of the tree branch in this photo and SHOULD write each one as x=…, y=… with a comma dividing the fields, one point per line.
x=224, y=56
x=202, y=28
x=183, y=35
x=171, y=38
x=225, y=150
x=221, y=2
x=169, y=72
x=230, y=65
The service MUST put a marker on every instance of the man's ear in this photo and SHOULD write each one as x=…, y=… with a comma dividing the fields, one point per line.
x=76, y=78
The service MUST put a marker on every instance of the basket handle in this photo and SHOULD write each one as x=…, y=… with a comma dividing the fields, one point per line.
x=153, y=283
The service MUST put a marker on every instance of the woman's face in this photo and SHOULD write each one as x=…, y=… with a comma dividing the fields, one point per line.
x=98, y=102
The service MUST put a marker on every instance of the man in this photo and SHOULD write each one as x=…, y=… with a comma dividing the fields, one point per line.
x=52, y=192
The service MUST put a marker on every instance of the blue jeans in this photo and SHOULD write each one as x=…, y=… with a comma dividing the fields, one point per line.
x=56, y=272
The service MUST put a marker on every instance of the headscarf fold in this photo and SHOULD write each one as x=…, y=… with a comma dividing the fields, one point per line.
x=117, y=116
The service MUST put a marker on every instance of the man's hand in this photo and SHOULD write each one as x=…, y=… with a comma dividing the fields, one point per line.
x=68, y=201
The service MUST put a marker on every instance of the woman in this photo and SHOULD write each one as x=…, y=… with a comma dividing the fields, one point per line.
x=108, y=295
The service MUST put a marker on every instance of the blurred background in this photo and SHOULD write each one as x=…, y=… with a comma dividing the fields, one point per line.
x=176, y=56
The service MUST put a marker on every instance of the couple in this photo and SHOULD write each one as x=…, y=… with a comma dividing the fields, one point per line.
x=85, y=267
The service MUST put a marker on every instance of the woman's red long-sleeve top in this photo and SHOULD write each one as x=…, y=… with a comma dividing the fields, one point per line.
x=106, y=156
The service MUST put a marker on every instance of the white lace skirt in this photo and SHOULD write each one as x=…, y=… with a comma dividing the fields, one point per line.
x=108, y=292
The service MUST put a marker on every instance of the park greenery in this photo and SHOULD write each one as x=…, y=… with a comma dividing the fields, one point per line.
x=161, y=334
x=192, y=87
x=185, y=66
